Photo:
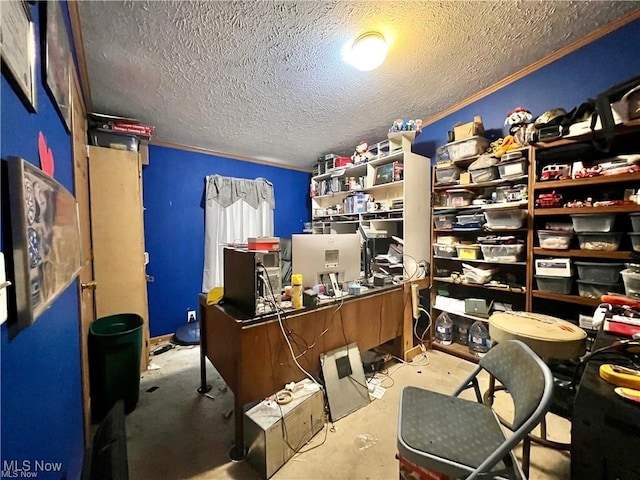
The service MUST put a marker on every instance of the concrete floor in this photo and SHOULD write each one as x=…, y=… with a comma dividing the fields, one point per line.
x=176, y=433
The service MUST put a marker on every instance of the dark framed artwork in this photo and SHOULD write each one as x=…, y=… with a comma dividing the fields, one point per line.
x=57, y=59
x=18, y=47
x=45, y=232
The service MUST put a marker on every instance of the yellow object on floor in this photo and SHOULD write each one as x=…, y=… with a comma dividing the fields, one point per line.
x=215, y=295
x=620, y=376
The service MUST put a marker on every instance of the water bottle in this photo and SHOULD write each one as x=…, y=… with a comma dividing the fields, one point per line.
x=479, y=341
x=461, y=331
x=444, y=329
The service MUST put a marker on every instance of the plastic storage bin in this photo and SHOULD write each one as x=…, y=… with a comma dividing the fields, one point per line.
x=447, y=174
x=593, y=222
x=444, y=220
x=102, y=138
x=468, y=252
x=635, y=241
x=635, y=221
x=503, y=253
x=513, y=169
x=554, y=267
x=505, y=219
x=484, y=174
x=599, y=272
x=560, y=285
x=473, y=218
x=467, y=147
x=599, y=241
x=591, y=289
x=554, y=239
x=115, y=346
x=448, y=251
x=631, y=281
x=511, y=193
x=459, y=197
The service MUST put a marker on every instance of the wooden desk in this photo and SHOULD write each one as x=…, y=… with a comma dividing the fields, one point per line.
x=253, y=357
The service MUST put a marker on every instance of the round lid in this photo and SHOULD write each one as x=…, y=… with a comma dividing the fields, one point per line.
x=548, y=336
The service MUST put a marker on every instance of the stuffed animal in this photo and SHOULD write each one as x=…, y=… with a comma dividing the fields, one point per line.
x=518, y=120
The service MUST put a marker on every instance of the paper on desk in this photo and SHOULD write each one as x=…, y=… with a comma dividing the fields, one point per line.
x=378, y=392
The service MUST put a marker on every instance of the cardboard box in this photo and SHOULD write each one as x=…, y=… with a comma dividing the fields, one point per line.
x=468, y=130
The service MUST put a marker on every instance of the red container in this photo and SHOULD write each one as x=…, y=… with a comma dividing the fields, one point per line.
x=269, y=244
x=342, y=162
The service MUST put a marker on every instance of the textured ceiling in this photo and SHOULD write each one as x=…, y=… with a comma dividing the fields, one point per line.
x=265, y=79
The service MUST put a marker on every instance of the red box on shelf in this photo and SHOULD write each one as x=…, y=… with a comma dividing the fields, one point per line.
x=342, y=162
x=269, y=244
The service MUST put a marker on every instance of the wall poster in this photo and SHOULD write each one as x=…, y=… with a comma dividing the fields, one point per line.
x=45, y=232
x=18, y=47
x=57, y=64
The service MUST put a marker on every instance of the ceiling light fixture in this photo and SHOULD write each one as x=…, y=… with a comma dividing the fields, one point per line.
x=368, y=51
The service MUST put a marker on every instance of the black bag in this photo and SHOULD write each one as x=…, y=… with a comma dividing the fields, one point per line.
x=603, y=138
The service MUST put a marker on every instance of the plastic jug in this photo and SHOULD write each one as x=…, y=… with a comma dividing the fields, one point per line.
x=479, y=341
x=444, y=329
x=296, y=291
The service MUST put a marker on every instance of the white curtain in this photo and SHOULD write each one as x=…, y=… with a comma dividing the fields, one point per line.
x=235, y=209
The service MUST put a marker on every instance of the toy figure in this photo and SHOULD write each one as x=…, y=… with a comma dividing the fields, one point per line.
x=519, y=120
x=361, y=155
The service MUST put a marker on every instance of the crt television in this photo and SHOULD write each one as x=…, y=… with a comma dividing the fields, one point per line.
x=316, y=256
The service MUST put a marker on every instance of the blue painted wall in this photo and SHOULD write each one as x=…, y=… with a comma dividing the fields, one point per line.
x=41, y=392
x=566, y=83
x=173, y=189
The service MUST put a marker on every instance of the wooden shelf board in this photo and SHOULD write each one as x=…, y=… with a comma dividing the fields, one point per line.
x=492, y=183
x=478, y=285
x=464, y=315
x=540, y=212
x=591, y=302
x=617, y=255
x=480, y=261
x=581, y=182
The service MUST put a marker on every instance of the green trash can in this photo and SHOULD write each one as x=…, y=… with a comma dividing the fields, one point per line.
x=115, y=345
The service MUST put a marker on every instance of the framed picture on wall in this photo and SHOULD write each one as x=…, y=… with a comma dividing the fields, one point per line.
x=18, y=47
x=45, y=231
x=56, y=52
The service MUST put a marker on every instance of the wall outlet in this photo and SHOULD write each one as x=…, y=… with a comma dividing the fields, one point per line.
x=191, y=315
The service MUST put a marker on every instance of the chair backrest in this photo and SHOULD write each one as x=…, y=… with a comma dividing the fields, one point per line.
x=526, y=377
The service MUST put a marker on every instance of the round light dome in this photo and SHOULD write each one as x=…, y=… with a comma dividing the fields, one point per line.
x=368, y=51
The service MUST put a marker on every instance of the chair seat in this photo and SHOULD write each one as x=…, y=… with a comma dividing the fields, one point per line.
x=462, y=431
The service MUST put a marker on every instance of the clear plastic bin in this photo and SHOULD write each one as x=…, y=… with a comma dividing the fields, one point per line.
x=503, y=253
x=562, y=285
x=599, y=272
x=468, y=252
x=554, y=267
x=459, y=197
x=631, y=281
x=505, y=219
x=593, y=222
x=513, y=169
x=554, y=239
x=447, y=174
x=599, y=241
x=484, y=174
x=444, y=220
x=511, y=193
x=474, y=218
x=467, y=147
x=446, y=240
x=591, y=289
x=635, y=221
x=635, y=241
x=448, y=251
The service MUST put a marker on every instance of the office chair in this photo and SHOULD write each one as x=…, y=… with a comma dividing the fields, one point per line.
x=463, y=438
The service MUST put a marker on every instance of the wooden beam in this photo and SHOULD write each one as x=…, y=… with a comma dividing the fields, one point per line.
x=76, y=31
x=206, y=151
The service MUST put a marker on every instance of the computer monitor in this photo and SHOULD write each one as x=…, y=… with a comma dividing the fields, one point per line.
x=316, y=256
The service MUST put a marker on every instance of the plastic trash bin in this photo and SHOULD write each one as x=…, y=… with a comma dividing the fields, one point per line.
x=115, y=345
